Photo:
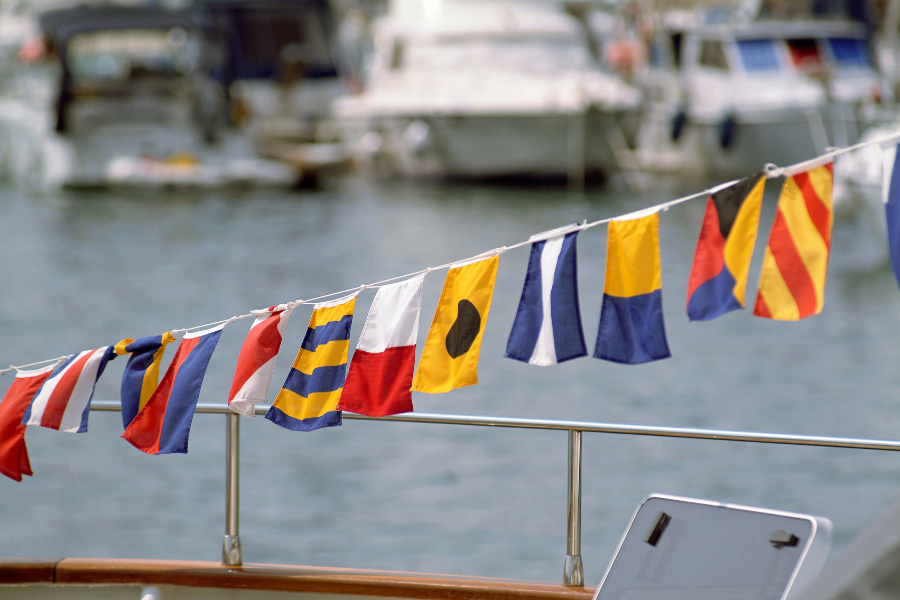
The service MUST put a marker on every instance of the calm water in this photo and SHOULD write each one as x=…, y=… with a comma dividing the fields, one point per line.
x=83, y=270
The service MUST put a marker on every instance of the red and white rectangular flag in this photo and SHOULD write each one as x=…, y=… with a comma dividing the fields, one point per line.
x=64, y=401
x=256, y=361
x=381, y=370
x=13, y=452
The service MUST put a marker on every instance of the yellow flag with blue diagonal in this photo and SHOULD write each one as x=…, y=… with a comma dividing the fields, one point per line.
x=309, y=397
x=450, y=356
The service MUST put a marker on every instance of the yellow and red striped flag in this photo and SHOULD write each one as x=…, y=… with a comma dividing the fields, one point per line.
x=792, y=282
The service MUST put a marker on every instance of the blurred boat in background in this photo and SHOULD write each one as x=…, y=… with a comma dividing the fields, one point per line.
x=858, y=175
x=247, y=93
x=17, y=26
x=130, y=96
x=486, y=89
x=725, y=99
x=281, y=72
x=858, y=178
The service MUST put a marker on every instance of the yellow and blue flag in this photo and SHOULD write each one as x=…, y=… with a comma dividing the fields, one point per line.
x=631, y=319
x=309, y=398
x=141, y=376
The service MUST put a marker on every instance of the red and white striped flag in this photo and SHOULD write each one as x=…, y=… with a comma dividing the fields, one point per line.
x=256, y=361
x=64, y=401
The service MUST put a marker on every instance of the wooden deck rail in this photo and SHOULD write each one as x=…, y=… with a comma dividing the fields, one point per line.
x=317, y=580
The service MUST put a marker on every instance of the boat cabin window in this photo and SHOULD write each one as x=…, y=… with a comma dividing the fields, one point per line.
x=850, y=52
x=665, y=50
x=275, y=41
x=759, y=55
x=658, y=57
x=805, y=53
x=712, y=55
x=105, y=61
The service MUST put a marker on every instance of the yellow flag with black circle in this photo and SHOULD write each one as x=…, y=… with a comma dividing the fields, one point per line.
x=450, y=356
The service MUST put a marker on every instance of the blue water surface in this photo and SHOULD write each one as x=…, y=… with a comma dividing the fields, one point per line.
x=81, y=270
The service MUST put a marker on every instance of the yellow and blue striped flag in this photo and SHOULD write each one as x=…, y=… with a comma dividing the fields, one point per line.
x=309, y=397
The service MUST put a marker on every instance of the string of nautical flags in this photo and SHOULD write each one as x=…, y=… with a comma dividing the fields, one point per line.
x=547, y=328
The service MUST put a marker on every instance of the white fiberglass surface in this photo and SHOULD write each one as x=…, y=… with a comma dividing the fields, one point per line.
x=525, y=54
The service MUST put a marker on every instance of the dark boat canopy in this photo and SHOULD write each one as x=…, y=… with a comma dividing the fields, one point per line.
x=275, y=39
x=60, y=25
x=284, y=40
x=262, y=39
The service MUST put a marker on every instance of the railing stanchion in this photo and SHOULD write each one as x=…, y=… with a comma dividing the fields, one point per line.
x=573, y=574
x=231, y=549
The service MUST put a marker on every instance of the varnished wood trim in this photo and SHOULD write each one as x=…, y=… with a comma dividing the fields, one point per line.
x=27, y=570
x=321, y=580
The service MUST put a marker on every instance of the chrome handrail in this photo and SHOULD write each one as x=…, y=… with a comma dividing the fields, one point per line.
x=572, y=574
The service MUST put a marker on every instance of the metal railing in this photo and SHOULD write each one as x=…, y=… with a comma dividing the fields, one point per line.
x=573, y=574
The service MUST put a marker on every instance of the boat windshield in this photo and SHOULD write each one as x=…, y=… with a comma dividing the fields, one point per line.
x=850, y=52
x=107, y=60
x=759, y=55
x=533, y=55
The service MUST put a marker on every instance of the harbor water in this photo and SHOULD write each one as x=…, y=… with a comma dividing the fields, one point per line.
x=82, y=270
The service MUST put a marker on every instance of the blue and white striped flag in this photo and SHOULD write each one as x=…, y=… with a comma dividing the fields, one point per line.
x=547, y=328
x=890, y=195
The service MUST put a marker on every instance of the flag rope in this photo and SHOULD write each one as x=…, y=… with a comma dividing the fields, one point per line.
x=34, y=364
x=771, y=172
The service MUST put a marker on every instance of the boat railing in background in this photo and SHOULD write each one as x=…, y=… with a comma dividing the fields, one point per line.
x=573, y=574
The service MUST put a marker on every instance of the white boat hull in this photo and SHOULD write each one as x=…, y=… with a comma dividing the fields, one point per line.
x=34, y=156
x=781, y=137
x=485, y=146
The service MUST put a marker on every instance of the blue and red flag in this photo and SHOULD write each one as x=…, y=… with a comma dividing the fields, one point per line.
x=631, y=319
x=718, y=280
x=163, y=425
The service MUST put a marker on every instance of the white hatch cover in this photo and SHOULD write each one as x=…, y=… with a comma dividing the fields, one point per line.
x=680, y=548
